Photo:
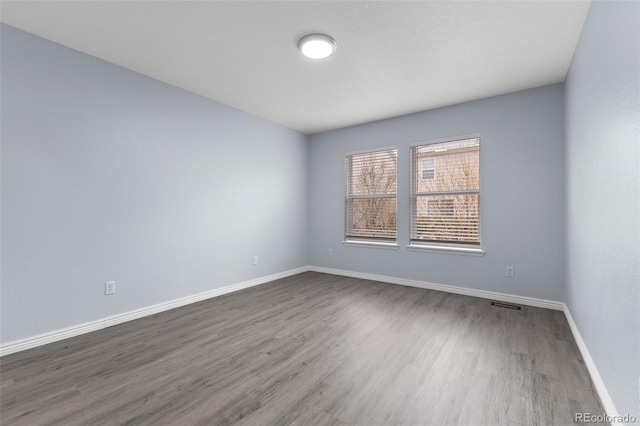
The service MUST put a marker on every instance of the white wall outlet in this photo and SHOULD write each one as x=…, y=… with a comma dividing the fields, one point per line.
x=110, y=287
x=510, y=271
x=255, y=260
x=330, y=252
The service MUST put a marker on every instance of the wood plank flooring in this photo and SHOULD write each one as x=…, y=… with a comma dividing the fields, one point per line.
x=312, y=349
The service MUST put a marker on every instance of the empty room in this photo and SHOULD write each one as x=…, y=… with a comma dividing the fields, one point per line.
x=320, y=212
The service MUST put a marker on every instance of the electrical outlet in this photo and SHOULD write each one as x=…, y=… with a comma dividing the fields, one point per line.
x=510, y=271
x=330, y=252
x=110, y=287
x=255, y=260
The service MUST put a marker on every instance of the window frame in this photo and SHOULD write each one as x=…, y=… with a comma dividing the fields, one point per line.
x=445, y=247
x=352, y=240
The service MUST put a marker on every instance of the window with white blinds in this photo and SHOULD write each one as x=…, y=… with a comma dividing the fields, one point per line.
x=445, y=204
x=370, y=204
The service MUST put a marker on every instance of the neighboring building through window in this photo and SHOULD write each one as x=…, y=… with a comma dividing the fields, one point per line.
x=440, y=207
x=445, y=206
x=428, y=169
x=370, y=204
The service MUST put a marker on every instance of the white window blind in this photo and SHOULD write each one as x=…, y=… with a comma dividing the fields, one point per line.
x=370, y=204
x=445, y=206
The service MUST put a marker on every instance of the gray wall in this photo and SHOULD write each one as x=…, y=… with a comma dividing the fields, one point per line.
x=110, y=175
x=522, y=160
x=603, y=195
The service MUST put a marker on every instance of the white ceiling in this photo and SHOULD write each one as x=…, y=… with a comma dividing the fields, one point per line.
x=393, y=57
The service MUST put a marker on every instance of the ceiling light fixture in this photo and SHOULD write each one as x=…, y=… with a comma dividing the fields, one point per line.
x=317, y=46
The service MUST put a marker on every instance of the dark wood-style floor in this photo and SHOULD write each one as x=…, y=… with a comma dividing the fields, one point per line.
x=310, y=349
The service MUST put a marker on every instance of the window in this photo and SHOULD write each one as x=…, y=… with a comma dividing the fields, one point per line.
x=445, y=208
x=370, y=205
x=428, y=168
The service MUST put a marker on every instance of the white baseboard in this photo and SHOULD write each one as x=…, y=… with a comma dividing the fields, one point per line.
x=521, y=300
x=57, y=335
x=88, y=327
x=601, y=389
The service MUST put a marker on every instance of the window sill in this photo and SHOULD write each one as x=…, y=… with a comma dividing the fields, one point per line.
x=372, y=244
x=447, y=250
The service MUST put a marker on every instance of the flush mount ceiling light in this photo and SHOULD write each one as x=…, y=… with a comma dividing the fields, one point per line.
x=317, y=46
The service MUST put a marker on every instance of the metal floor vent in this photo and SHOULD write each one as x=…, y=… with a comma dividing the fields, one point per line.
x=506, y=305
